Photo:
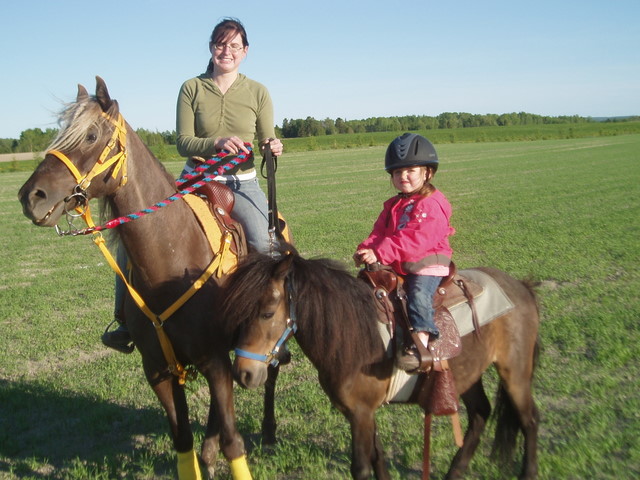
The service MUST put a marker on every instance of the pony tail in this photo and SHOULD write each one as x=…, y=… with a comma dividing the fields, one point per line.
x=209, y=70
x=507, y=427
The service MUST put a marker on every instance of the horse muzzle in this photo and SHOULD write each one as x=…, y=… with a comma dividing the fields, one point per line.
x=248, y=373
x=38, y=208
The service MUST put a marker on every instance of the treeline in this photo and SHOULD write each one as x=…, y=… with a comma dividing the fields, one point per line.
x=37, y=140
x=310, y=127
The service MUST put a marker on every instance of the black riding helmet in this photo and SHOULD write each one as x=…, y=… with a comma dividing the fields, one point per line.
x=410, y=150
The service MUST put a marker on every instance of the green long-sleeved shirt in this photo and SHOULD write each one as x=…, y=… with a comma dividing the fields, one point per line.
x=204, y=113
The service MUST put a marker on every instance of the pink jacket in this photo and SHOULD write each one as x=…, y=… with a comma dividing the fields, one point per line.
x=412, y=233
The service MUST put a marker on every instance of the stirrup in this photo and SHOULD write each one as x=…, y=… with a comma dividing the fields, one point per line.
x=408, y=359
x=118, y=339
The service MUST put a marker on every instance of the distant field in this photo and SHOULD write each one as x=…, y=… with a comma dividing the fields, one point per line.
x=563, y=212
x=9, y=157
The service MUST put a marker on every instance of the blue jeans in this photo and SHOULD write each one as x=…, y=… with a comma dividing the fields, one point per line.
x=251, y=210
x=420, y=290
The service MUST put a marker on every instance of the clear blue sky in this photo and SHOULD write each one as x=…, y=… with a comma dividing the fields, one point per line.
x=327, y=58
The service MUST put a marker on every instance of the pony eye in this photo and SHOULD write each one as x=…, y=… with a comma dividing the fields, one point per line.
x=92, y=137
x=267, y=315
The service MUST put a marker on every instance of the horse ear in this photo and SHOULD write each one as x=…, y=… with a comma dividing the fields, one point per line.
x=102, y=94
x=283, y=267
x=82, y=93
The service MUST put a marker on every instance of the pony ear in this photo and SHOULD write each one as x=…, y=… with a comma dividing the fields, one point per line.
x=102, y=94
x=82, y=93
x=283, y=267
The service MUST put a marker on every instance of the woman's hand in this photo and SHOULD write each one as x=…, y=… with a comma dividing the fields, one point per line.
x=275, y=144
x=233, y=145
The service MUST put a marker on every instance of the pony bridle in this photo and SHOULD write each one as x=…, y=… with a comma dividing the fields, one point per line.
x=106, y=160
x=290, y=329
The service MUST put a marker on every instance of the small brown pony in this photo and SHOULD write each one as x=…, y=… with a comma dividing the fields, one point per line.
x=168, y=250
x=335, y=317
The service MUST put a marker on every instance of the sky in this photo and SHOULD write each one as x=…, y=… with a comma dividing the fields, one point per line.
x=346, y=59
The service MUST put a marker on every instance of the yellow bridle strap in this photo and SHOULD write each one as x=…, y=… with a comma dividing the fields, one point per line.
x=119, y=137
x=64, y=159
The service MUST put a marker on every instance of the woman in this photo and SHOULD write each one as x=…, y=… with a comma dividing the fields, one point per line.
x=221, y=109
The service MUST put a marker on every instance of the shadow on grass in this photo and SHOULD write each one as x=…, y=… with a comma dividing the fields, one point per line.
x=43, y=430
x=49, y=433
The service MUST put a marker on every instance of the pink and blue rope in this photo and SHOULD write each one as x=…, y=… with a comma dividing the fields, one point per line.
x=198, y=172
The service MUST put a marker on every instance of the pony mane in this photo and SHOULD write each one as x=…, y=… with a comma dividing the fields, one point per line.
x=335, y=311
x=338, y=314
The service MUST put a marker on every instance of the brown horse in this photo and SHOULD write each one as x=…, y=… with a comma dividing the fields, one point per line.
x=336, y=321
x=168, y=251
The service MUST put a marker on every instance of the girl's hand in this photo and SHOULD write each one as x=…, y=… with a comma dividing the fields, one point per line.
x=365, y=255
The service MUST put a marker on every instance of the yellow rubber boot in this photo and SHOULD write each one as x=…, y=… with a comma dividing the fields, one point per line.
x=188, y=468
x=239, y=468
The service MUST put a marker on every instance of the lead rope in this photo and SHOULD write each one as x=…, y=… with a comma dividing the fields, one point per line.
x=275, y=229
x=192, y=182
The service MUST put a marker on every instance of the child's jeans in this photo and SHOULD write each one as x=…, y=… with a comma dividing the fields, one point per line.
x=420, y=290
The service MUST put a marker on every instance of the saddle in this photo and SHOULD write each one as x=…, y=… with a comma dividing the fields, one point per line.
x=221, y=200
x=437, y=393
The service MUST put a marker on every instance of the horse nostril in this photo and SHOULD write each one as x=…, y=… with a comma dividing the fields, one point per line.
x=245, y=378
x=40, y=193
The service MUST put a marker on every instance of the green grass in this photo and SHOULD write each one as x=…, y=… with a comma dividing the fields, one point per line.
x=564, y=212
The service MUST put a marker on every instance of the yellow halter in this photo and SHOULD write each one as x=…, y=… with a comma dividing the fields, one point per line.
x=118, y=161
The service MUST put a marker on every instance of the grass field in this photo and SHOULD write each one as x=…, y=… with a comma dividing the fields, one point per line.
x=562, y=212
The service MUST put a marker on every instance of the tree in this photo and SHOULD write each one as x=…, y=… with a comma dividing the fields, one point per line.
x=6, y=145
x=35, y=140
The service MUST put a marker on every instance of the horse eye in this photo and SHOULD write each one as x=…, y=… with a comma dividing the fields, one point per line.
x=267, y=315
x=92, y=137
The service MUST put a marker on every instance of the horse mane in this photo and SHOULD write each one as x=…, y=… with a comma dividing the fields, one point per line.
x=335, y=311
x=75, y=120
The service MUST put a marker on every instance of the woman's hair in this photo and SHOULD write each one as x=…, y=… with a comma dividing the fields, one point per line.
x=427, y=187
x=225, y=30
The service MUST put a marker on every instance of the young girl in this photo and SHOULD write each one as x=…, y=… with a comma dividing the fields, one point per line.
x=412, y=233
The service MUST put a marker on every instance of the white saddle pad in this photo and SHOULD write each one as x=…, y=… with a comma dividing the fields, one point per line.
x=490, y=304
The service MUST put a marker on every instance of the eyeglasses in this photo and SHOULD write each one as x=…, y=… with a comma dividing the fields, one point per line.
x=233, y=47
